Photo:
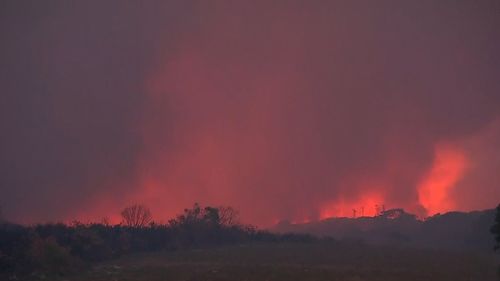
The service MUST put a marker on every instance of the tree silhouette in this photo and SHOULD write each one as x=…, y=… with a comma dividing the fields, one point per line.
x=495, y=229
x=211, y=216
x=228, y=216
x=136, y=216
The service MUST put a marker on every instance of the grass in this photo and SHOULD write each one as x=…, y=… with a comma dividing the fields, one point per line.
x=315, y=261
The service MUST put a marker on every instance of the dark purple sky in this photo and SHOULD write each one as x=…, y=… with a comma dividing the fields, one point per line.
x=283, y=109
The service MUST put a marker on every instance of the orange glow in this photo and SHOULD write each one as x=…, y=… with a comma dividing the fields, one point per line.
x=301, y=221
x=367, y=206
x=95, y=215
x=447, y=170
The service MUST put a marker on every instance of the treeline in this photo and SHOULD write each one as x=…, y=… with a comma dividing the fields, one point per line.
x=60, y=248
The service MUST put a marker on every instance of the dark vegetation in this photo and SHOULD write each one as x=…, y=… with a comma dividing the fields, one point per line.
x=59, y=248
x=208, y=243
x=451, y=231
x=495, y=229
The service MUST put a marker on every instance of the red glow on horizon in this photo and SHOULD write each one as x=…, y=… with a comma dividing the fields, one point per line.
x=101, y=212
x=301, y=221
x=366, y=206
x=447, y=170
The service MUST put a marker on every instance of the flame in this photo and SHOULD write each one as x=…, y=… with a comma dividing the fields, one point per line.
x=368, y=205
x=447, y=170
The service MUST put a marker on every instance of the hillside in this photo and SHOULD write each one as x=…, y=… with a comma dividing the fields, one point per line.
x=454, y=230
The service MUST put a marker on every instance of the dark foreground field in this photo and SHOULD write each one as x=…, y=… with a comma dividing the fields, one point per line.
x=313, y=261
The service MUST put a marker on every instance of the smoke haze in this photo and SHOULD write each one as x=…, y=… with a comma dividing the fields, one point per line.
x=289, y=110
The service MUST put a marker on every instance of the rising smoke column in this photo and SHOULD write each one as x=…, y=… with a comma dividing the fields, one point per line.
x=448, y=168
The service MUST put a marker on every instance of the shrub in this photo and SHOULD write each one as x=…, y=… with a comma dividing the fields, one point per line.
x=49, y=256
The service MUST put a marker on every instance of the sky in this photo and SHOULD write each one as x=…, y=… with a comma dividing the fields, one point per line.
x=285, y=110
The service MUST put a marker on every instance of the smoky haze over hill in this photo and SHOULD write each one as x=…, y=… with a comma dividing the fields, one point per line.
x=300, y=111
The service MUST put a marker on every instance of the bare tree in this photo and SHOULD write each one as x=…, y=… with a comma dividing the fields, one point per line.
x=105, y=221
x=228, y=216
x=136, y=216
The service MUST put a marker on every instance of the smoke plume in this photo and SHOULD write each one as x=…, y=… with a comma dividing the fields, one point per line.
x=284, y=110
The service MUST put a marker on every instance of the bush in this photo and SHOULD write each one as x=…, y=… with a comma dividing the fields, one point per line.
x=49, y=256
x=59, y=248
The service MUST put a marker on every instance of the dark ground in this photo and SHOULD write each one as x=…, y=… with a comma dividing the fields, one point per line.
x=306, y=261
